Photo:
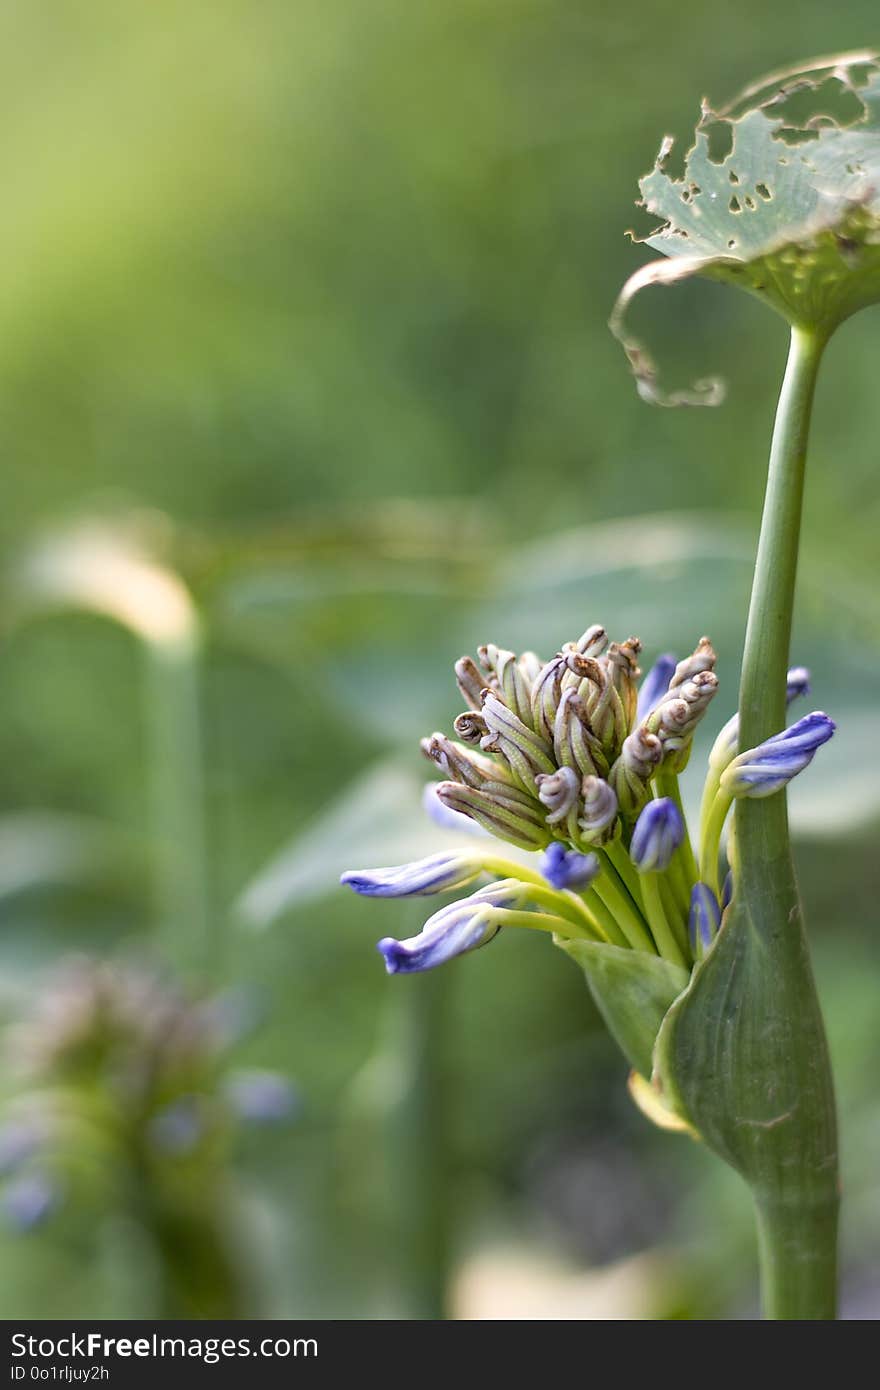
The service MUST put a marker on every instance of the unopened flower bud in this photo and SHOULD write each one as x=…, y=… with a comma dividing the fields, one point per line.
x=524, y=752
x=703, y=658
x=470, y=682
x=512, y=685
x=262, y=1097
x=436, y=874
x=530, y=664
x=592, y=642
x=658, y=833
x=558, y=791
x=460, y=763
x=454, y=930
x=574, y=743
x=27, y=1200
x=470, y=726
x=704, y=918
x=444, y=816
x=655, y=685
x=623, y=663
x=764, y=770
x=633, y=770
x=596, y=823
x=546, y=692
x=566, y=868
x=503, y=811
x=725, y=746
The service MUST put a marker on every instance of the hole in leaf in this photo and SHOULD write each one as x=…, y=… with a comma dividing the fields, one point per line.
x=733, y=176
x=763, y=192
x=807, y=103
x=731, y=243
x=719, y=137
x=734, y=204
x=750, y=203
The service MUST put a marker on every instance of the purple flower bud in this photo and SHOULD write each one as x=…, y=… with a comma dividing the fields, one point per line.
x=659, y=832
x=177, y=1129
x=262, y=1097
x=436, y=874
x=655, y=685
x=19, y=1140
x=768, y=768
x=454, y=930
x=705, y=917
x=444, y=815
x=565, y=868
x=28, y=1200
x=797, y=683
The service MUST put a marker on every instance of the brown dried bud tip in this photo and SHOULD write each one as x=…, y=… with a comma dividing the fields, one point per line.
x=470, y=726
x=703, y=658
x=470, y=681
x=593, y=642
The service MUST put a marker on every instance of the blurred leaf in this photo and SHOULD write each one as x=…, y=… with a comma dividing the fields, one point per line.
x=42, y=848
x=103, y=567
x=379, y=819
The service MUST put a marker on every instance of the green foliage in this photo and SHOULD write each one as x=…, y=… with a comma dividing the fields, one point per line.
x=779, y=196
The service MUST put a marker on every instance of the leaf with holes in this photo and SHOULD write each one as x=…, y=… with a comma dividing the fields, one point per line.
x=780, y=195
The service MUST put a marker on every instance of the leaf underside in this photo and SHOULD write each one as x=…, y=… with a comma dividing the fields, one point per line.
x=780, y=194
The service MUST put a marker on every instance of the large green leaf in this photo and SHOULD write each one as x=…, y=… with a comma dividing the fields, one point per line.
x=779, y=195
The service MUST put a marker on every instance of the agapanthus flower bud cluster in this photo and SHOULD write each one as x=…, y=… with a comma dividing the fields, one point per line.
x=565, y=749
x=577, y=760
x=116, y=1068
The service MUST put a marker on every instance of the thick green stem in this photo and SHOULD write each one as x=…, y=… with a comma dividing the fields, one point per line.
x=768, y=634
x=417, y=1147
x=795, y=1186
x=798, y=1252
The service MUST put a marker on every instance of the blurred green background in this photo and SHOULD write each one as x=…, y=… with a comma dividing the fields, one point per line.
x=304, y=309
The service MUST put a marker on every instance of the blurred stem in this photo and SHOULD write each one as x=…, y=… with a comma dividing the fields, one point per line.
x=795, y=1187
x=183, y=895
x=417, y=1143
x=200, y=1275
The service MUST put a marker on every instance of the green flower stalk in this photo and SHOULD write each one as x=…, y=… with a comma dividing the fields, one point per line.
x=781, y=196
x=694, y=952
